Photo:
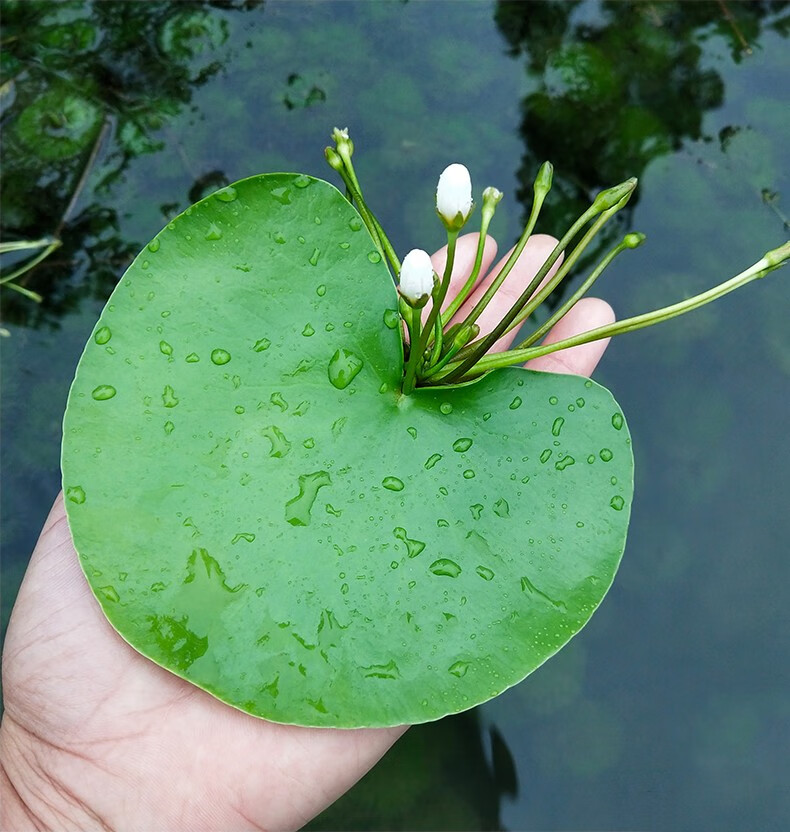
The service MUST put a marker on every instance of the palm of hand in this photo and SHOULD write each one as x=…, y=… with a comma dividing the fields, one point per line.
x=95, y=735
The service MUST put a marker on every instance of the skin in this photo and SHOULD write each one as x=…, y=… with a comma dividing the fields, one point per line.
x=102, y=738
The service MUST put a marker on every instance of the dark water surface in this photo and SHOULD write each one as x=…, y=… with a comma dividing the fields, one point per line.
x=671, y=710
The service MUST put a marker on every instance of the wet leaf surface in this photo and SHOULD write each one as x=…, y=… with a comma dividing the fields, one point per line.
x=258, y=509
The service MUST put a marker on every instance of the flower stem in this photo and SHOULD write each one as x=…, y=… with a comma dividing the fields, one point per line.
x=486, y=215
x=541, y=189
x=772, y=260
x=441, y=294
x=415, y=354
x=27, y=266
x=460, y=339
x=34, y=296
x=606, y=200
x=535, y=301
x=631, y=241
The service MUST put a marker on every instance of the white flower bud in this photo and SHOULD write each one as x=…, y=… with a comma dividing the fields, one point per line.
x=454, y=195
x=416, y=275
x=492, y=195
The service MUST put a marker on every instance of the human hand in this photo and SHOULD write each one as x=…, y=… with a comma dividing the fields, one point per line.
x=95, y=736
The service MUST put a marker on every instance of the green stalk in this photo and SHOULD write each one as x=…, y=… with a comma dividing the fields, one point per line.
x=461, y=338
x=537, y=299
x=441, y=294
x=23, y=245
x=34, y=296
x=541, y=188
x=772, y=260
x=631, y=241
x=437, y=341
x=414, y=352
x=603, y=202
x=27, y=266
x=491, y=197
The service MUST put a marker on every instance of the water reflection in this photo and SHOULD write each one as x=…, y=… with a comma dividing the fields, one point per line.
x=606, y=89
x=613, y=86
x=87, y=88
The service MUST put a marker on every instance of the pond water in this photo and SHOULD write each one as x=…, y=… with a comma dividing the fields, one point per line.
x=671, y=709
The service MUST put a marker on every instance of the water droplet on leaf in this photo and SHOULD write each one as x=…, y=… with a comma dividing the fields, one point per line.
x=103, y=335
x=220, y=357
x=413, y=547
x=214, y=232
x=169, y=397
x=103, y=392
x=298, y=509
x=75, y=494
x=432, y=460
x=446, y=568
x=343, y=368
x=282, y=195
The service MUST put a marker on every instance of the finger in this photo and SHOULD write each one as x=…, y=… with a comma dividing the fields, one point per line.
x=537, y=249
x=465, y=253
x=587, y=314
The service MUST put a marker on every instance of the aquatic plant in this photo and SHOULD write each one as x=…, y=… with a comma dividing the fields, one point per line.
x=325, y=501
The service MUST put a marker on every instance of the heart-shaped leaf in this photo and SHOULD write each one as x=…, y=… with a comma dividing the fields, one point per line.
x=260, y=510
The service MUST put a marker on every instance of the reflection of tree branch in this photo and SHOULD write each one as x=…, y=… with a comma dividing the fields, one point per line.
x=731, y=20
x=182, y=154
x=84, y=177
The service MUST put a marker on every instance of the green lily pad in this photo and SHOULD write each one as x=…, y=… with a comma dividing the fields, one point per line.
x=259, y=510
